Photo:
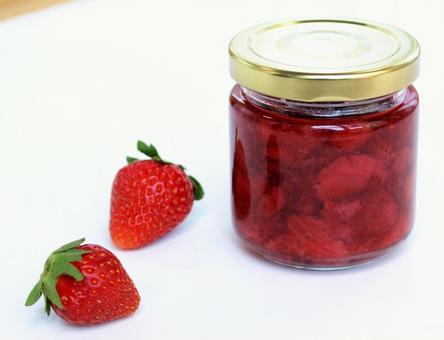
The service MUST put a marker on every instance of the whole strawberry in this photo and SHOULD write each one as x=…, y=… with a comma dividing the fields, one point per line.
x=149, y=198
x=85, y=285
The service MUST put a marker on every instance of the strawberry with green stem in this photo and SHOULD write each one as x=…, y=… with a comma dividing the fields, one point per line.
x=85, y=285
x=150, y=198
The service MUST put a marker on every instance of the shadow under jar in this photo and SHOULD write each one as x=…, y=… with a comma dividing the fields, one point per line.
x=323, y=138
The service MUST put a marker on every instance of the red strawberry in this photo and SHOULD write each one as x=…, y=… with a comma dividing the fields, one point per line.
x=149, y=198
x=85, y=285
x=348, y=175
x=342, y=211
x=271, y=202
x=306, y=237
x=377, y=216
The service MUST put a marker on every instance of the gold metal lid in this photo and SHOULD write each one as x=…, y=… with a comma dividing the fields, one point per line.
x=324, y=60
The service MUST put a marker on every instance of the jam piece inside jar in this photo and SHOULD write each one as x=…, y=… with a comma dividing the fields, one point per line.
x=323, y=192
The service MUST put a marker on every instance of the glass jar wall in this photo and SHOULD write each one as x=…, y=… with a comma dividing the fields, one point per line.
x=323, y=185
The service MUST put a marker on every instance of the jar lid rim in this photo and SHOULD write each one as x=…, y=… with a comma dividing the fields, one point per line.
x=331, y=59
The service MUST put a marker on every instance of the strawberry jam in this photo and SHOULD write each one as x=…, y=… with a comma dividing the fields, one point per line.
x=323, y=185
x=323, y=136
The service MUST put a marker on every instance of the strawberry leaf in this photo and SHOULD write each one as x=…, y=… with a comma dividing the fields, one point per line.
x=35, y=294
x=70, y=245
x=150, y=151
x=47, y=306
x=198, y=190
x=131, y=159
x=58, y=263
x=71, y=255
x=49, y=290
x=65, y=268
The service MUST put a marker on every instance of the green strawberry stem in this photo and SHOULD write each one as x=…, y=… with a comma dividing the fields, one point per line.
x=198, y=190
x=151, y=152
x=131, y=159
x=58, y=263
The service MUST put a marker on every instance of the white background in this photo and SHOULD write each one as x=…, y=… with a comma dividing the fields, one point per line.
x=81, y=82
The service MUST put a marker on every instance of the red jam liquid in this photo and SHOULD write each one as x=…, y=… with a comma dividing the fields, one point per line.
x=318, y=192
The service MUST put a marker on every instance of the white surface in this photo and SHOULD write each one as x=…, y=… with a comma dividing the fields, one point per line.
x=79, y=83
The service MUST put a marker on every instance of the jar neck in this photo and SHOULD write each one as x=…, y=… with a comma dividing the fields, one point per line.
x=325, y=109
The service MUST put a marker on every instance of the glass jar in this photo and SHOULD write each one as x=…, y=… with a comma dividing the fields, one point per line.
x=323, y=136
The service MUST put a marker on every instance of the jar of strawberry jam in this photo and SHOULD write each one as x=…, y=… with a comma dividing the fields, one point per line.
x=323, y=136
